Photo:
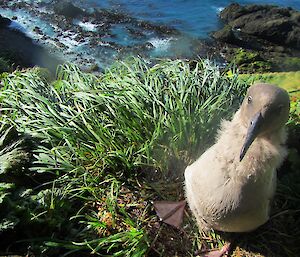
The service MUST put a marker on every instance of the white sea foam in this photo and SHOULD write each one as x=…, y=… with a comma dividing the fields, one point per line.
x=25, y=23
x=70, y=40
x=219, y=9
x=161, y=44
x=101, y=43
x=87, y=26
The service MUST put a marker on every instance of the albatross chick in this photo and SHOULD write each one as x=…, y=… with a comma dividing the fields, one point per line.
x=230, y=187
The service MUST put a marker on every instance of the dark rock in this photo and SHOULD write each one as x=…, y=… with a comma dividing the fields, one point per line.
x=275, y=30
x=135, y=33
x=157, y=28
x=260, y=38
x=61, y=45
x=231, y=12
x=4, y=22
x=276, y=25
x=225, y=35
x=37, y=30
x=293, y=37
x=114, y=17
x=67, y=9
x=21, y=51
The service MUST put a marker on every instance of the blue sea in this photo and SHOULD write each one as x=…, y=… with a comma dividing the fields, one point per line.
x=195, y=19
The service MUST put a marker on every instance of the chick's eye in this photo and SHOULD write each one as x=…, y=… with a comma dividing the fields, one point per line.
x=249, y=99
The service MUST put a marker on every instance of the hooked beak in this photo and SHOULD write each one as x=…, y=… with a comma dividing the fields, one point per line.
x=252, y=133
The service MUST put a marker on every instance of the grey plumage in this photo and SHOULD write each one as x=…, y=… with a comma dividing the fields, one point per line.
x=229, y=188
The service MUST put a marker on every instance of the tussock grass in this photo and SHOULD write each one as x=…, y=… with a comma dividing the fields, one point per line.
x=100, y=144
x=128, y=115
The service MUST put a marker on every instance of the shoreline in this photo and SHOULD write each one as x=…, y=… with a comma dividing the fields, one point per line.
x=94, y=40
x=83, y=37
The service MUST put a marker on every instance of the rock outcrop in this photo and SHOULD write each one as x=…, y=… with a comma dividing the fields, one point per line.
x=18, y=50
x=260, y=37
x=4, y=22
x=67, y=9
x=261, y=22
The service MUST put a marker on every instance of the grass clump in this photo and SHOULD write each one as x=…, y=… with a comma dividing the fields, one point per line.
x=96, y=136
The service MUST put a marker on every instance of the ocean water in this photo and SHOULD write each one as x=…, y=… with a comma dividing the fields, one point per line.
x=195, y=19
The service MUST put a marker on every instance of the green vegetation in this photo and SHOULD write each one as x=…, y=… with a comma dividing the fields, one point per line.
x=287, y=80
x=250, y=61
x=83, y=157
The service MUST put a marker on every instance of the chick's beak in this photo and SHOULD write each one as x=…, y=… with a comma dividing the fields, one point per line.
x=253, y=130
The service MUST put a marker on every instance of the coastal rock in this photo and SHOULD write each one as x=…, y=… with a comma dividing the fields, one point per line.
x=273, y=24
x=4, y=22
x=225, y=35
x=67, y=9
x=18, y=50
x=38, y=30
